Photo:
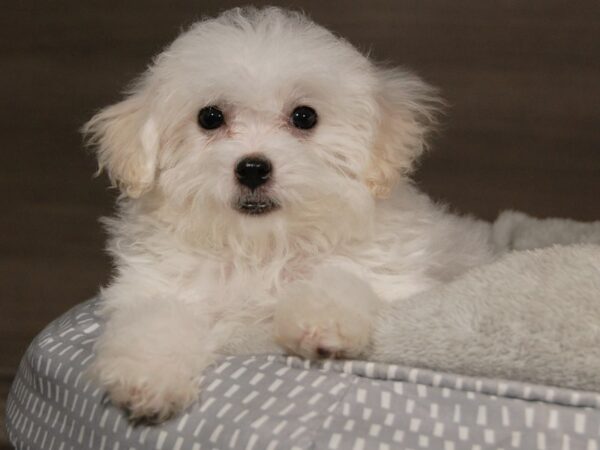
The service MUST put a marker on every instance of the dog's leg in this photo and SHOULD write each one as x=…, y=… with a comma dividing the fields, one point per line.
x=150, y=357
x=248, y=338
x=330, y=315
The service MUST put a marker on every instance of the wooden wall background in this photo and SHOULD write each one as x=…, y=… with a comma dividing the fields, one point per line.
x=523, y=131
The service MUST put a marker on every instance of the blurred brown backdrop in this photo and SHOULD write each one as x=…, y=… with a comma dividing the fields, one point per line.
x=523, y=130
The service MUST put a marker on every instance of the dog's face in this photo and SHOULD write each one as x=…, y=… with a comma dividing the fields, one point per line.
x=263, y=117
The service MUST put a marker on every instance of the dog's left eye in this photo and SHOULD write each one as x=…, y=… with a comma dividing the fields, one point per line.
x=210, y=118
x=304, y=117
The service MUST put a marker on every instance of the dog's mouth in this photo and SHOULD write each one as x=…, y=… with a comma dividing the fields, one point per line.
x=255, y=204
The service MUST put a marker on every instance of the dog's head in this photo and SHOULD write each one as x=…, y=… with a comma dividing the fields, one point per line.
x=262, y=116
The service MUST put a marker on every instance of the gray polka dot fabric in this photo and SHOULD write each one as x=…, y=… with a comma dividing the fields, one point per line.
x=277, y=402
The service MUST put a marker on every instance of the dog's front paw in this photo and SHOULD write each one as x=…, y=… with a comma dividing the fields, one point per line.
x=150, y=389
x=330, y=316
x=150, y=358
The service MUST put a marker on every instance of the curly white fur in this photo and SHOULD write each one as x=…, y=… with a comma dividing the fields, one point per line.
x=194, y=276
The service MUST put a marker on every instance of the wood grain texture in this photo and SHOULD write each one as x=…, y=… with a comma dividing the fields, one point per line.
x=522, y=131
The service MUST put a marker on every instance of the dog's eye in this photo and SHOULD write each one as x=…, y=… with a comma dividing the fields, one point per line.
x=304, y=117
x=210, y=118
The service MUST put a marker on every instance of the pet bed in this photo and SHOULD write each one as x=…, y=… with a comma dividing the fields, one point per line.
x=277, y=402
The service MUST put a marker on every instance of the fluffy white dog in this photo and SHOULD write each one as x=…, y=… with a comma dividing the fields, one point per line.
x=263, y=166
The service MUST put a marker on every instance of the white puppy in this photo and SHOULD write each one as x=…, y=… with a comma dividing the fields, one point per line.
x=263, y=166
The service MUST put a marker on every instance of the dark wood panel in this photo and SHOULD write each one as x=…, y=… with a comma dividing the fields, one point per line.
x=4, y=386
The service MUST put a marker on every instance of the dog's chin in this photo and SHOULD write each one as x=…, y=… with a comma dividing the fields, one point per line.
x=255, y=204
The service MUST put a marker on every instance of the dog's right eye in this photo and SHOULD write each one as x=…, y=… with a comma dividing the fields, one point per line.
x=210, y=118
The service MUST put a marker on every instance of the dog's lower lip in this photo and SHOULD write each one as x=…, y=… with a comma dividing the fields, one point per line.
x=256, y=207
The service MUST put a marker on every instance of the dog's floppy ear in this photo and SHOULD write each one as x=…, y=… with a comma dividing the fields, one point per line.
x=407, y=110
x=126, y=141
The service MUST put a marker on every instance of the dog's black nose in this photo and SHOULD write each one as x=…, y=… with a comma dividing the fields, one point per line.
x=253, y=171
